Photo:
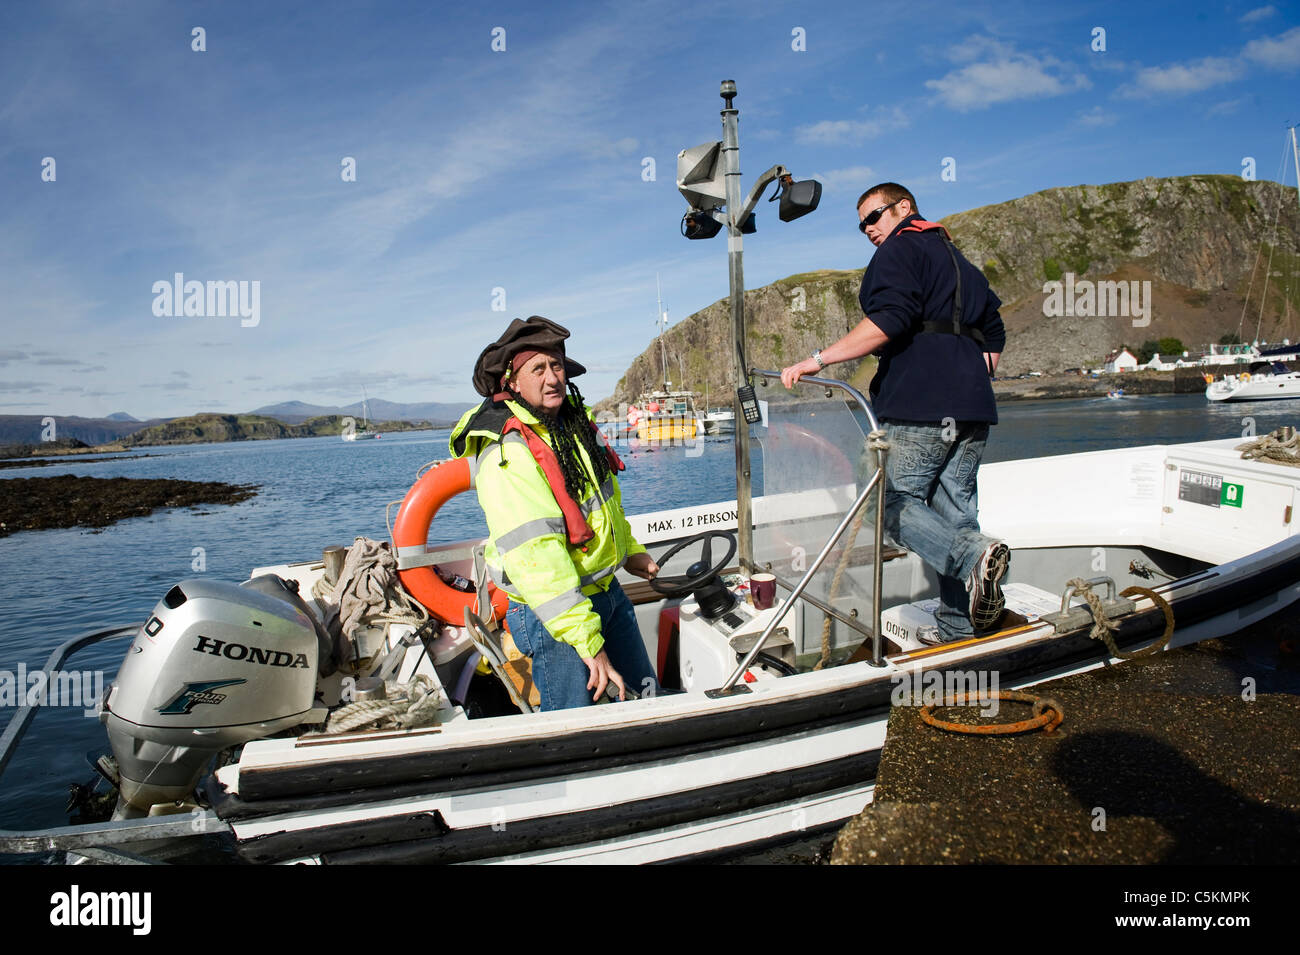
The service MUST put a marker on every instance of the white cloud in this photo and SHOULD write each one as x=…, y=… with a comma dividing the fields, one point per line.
x=853, y=178
x=1096, y=117
x=996, y=73
x=849, y=131
x=975, y=47
x=1181, y=78
x=1224, y=108
x=1278, y=53
x=1259, y=13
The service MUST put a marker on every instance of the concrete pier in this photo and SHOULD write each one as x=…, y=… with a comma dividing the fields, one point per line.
x=1192, y=756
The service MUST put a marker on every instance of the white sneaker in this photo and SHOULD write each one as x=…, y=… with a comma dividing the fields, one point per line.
x=985, y=586
x=930, y=637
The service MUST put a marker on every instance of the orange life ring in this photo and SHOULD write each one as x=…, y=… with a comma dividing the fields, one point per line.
x=435, y=488
x=1245, y=376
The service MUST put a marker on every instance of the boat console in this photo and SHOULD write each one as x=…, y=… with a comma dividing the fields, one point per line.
x=711, y=648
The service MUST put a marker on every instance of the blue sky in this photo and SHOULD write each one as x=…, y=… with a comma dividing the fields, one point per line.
x=523, y=169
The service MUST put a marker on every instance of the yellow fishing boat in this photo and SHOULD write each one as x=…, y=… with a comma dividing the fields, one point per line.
x=665, y=416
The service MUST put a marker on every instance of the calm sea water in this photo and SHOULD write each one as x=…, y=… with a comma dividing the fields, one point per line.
x=60, y=583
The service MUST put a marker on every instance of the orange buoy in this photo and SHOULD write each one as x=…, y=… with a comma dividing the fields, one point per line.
x=435, y=488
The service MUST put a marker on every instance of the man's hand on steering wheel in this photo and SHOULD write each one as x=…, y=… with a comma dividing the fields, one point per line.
x=642, y=565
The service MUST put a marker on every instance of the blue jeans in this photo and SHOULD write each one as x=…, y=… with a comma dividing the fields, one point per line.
x=561, y=675
x=931, y=508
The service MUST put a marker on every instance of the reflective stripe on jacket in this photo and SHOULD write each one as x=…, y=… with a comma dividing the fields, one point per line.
x=528, y=553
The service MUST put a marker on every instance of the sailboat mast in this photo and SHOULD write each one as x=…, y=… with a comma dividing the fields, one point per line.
x=662, y=320
x=1295, y=155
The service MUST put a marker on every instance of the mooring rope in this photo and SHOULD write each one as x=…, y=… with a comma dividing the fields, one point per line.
x=875, y=442
x=1104, y=630
x=418, y=709
x=1281, y=446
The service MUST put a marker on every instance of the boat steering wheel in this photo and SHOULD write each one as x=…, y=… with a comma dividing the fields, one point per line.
x=699, y=573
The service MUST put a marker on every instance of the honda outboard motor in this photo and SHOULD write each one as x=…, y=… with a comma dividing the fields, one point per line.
x=216, y=665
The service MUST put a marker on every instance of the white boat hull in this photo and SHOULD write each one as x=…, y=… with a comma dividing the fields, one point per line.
x=1255, y=387
x=683, y=775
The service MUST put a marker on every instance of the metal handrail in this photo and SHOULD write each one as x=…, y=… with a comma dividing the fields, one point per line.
x=876, y=483
x=856, y=395
x=97, y=834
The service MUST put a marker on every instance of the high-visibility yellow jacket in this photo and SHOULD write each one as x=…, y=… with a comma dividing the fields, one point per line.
x=528, y=553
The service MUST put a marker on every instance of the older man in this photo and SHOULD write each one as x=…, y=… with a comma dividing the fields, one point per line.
x=933, y=321
x=548, y=486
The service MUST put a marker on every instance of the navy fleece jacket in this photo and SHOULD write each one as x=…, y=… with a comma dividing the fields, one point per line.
x=927, y=377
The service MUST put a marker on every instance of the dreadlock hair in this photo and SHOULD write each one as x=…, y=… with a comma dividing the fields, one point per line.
x=570, y=427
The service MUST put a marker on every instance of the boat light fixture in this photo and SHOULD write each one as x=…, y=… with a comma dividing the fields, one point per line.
x=697, y=224
x=799, y=198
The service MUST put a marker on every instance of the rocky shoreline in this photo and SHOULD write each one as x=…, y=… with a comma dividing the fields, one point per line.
x=40, y=503
x=1185, y=381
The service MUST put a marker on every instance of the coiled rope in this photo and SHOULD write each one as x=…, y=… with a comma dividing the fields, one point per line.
x=369, y=592
x=419, y=708
x=1281, y=447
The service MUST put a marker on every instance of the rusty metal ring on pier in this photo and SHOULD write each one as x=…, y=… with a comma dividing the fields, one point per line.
x=1048, y=715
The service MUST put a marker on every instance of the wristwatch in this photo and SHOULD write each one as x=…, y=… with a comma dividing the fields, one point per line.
x=817, y=357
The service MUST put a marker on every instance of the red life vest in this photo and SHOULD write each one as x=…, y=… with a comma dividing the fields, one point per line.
x=575, y=525
x=920, y=225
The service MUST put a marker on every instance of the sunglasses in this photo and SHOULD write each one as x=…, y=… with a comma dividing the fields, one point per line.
x=874, y=216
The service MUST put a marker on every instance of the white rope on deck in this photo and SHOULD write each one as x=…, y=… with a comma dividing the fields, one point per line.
x=418, y=709
x=1281, y=447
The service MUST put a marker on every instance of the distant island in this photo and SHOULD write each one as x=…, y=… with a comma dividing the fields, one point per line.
x=211, y=428
x=24, y=435
x=199, y=429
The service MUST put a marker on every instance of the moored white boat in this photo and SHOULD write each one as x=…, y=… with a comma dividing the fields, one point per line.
x=778, y=727
x=694, y=773
x=1264, y=382
x=719, y=421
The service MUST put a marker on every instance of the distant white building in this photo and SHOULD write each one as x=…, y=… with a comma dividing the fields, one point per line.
x=1166, y=364
x=1122, y=360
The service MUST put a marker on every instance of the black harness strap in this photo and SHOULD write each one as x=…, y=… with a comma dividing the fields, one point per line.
x=957, y=328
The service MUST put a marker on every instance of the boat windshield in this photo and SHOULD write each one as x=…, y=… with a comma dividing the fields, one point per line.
x=814, y=466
